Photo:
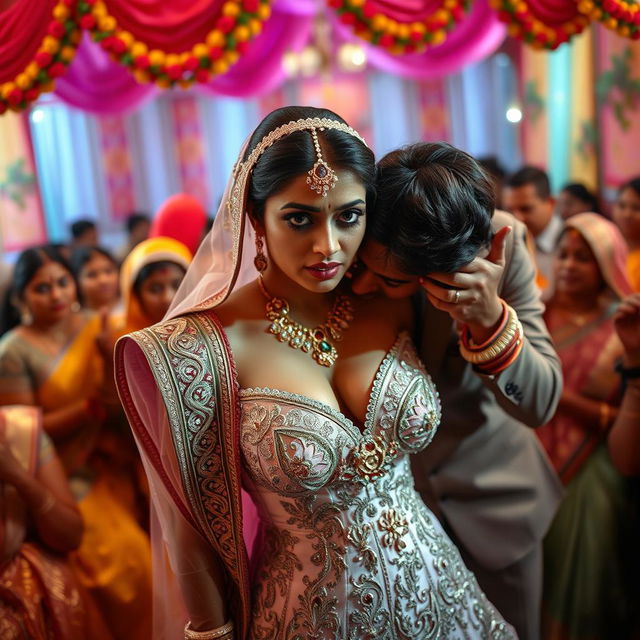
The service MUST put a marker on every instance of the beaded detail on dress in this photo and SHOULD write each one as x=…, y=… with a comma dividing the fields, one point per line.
x=348, y=550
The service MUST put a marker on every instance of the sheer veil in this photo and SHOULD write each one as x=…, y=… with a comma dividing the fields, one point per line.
x=223, y=263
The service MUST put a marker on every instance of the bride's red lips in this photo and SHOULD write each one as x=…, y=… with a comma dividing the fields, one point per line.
x=324, y=270
x=325, y=265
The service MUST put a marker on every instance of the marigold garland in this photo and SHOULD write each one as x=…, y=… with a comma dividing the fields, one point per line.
x=372, y=25
x=617, y=15
x=54, y=54
x=239, y=21
x=524, y=25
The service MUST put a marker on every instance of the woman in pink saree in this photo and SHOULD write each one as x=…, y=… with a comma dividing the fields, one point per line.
x=590, y=570
x=267, y=376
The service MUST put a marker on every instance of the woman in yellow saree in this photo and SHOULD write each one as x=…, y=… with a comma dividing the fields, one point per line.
x=40, y=597
x=53, y=360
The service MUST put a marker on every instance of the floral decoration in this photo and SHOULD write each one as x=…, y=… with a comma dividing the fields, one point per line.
x=372, y=25
x=238, y=23
x=57, y=49
x=618, y=15
x=522, y=23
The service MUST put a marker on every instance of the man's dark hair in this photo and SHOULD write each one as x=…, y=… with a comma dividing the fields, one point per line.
x=80, y=227
x=531, y=175
x=492, y=166
x=433, y=209
x=634, y=184
x=582, y=193
x=134, y=219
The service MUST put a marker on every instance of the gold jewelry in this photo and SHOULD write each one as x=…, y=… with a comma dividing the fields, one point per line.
x=75, y=307
x=260, y=261
x=321, y=177
x=316, y=340
x=456, y=296
x=503, y=341
x=26, y=317
x=47, y=504
x=225, y=631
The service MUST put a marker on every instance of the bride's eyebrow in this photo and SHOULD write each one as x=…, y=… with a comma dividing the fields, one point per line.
x=310, y=209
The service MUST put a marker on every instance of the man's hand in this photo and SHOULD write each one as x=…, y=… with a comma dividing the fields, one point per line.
x=470, y=295
x=627, y=323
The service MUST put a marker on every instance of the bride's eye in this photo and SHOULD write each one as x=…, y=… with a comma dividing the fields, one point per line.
x=351, y=217
x=297, y=220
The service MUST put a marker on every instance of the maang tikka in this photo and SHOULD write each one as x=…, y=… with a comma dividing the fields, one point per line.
x=321, y=177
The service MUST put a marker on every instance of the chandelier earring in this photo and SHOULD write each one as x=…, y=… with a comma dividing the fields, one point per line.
x=260, y=261
x=75, y=307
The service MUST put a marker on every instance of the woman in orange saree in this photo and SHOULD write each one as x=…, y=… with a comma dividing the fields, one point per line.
x=40, y=597
x=52, y=360
x=589, y=578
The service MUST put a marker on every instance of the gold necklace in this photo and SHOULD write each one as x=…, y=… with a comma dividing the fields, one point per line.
x=315, y=340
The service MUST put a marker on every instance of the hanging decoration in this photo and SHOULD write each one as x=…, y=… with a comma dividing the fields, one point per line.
x=394, y=30
x=543, y=24
x=237, y=23
x=56, y=50
x=618, y=15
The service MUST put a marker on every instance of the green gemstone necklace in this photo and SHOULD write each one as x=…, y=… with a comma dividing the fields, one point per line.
x=315, y=341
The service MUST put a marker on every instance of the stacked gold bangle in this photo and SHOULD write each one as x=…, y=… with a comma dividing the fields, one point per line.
x=225, y=632
x=500, y=350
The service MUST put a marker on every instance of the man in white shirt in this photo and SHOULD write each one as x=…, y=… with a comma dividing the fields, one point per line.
x=527, y=195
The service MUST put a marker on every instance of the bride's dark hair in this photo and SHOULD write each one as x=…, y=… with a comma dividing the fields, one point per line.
x=294, y=154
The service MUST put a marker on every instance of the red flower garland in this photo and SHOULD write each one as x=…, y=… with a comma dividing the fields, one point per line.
x=526, y=26
x=54, y=54
x=617, y=15
x=238, y=22
x=370, y=24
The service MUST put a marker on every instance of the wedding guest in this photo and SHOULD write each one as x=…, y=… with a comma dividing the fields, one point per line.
x=626, y=214
x=56, y=358
x=96, y=271
x=40, y=596
x=589, y=580
x=84, y=233
x=527, y=195
x=575, y=198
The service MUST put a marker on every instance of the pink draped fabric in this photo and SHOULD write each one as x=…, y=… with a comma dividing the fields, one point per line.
x=96, y=84
x=478, y=35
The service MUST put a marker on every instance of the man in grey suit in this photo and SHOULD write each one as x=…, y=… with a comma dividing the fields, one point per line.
x=433, y=234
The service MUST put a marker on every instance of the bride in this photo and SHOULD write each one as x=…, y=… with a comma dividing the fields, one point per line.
x=310, y=401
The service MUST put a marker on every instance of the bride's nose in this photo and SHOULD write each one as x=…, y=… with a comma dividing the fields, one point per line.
x=325, y=241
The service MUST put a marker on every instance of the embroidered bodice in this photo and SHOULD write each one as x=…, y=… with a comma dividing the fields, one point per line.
x=347, y=549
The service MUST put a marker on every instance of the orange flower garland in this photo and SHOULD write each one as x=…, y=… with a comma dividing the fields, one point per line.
x=618, y=15
x=238, y=22
x=374, y=26
x=54, y=54
x=524, y=25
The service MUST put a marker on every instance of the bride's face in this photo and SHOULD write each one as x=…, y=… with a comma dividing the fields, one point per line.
x=312, y=240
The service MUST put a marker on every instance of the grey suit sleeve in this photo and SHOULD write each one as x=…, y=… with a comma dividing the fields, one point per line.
x=530, y=388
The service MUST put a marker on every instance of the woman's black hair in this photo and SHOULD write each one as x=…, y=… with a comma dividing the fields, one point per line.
x=294, y=154
x=433, y=209
x=634, y=184
x=150, y=269
x=81, y=255
x=580, y=192
x=25, y=268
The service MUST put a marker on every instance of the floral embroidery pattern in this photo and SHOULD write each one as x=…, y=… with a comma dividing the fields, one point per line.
x=358, y=554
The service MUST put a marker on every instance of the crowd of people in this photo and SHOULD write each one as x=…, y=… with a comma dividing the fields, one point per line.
x=394, y=400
